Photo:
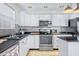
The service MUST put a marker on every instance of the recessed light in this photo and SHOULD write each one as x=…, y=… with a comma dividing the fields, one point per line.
x=45, y=6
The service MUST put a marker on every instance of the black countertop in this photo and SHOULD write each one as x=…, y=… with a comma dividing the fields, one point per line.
x=10, y=42
x=70, y=39
x=7, y=44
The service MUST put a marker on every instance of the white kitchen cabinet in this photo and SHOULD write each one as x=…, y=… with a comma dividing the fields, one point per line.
x=6, y=23
x=44, y=17
x=31, y=20
x=63, y=48
x=36, y=38
x=55, y=41
x=7, y=11
x=7, y=17
x=73, y=48
x=29, y=42
x=68, y=48
x=18, y=17
x=60, y=20
x=72, y=16
x=23, y=47
x=27, y=47
x=33, y=41
x=22, y=18
x=28, y=20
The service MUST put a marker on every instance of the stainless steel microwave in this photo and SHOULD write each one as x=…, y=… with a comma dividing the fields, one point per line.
x=45, y=23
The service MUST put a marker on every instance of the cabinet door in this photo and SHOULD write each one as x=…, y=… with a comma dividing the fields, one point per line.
x=31, y=20
x=7, y=11
x=73, y=48
x=22, y=18
x=8, y=17
x=31, y=41
x=28, y=42
x=27, y=47
x=55, y=41
x=59, y=20
x=22, y=47
x=36, y=38
x=63, y=47
x=44, y=17
x=22, y=50
x=72, y=16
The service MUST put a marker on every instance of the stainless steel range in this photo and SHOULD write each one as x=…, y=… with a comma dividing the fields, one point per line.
x=45, y=36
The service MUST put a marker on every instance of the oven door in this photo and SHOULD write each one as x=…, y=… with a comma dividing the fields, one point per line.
x=45, y=39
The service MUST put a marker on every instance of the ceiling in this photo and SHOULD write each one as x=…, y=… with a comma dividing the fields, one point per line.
x=44, y=8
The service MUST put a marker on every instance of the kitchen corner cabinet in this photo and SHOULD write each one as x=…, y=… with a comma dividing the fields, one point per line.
x=68, y=48
x=60, y=20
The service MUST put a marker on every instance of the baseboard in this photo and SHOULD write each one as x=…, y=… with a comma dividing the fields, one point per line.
x=34, y=49
x=39, y=49
x=55, y=49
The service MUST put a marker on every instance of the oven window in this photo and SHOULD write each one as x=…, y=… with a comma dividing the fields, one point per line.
x=45, y=39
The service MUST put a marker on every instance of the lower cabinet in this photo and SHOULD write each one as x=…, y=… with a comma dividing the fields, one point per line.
x=29, y=42
x=23, y=47
x=36, y=39
x=55, y=41
x=13, y=51
x=33, y=41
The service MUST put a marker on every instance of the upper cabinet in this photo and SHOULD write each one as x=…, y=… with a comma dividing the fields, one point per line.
x=7, y=17
x=27, y=19
x=44, y=17
x=60, y=20
x=7, y=11
x=31, y=20
x=72, y=16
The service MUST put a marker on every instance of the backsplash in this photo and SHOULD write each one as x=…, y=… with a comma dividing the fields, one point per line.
x=7, y=31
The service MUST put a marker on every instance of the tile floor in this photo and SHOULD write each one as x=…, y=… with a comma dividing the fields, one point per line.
x=43, y=53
